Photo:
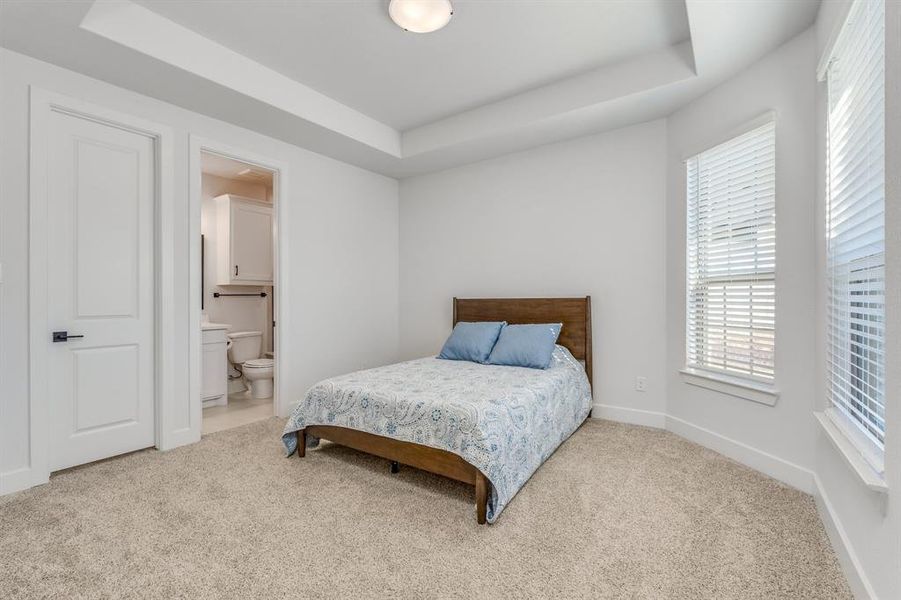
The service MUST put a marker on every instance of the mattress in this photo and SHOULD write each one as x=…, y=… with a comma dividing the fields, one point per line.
x=506, y=421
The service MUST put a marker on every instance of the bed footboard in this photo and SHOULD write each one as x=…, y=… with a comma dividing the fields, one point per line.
x=439, y=462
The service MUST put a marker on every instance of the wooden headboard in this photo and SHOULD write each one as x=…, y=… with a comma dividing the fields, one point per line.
x=574, y=313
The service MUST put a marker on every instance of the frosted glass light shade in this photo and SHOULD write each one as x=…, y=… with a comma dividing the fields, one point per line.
x=421, y=16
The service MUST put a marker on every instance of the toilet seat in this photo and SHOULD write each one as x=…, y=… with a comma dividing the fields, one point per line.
x=260, y=363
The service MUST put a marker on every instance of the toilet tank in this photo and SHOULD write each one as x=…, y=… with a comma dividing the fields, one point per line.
x=245, y=345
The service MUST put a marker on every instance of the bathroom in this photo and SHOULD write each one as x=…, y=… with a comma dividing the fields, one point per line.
x=237, y=313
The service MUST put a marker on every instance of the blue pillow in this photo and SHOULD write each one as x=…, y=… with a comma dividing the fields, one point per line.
x=526, y=345
x=471, y=341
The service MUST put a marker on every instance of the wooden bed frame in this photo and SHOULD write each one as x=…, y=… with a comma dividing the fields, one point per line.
x=574, y=313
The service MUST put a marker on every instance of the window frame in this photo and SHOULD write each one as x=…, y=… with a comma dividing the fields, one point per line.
x=861, y=453
x=853, y=431
x=749, y=387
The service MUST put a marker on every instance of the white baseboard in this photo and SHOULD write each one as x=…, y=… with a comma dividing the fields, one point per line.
x=787, y=472
x=215, y=401
x=777, y=468
x=847, y=558
x=633, y=416
x=179, y=437
x=17, y=480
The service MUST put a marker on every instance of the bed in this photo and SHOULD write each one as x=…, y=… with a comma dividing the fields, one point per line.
x=487, y=426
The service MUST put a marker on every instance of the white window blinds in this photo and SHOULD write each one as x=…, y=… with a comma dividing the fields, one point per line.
x=856, y=219
x=731, y=258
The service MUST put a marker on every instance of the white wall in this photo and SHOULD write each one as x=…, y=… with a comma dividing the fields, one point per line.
x=782, y=434
x=340, y=226
x=866, y=523
x=582, y=217
x=241, y=313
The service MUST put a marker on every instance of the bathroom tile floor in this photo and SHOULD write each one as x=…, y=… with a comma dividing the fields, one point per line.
x=241, y=409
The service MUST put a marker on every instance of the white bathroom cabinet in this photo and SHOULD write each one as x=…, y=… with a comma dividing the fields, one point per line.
x=243, y=241
x=214, y=365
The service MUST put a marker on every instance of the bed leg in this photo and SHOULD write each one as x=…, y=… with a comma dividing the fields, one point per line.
x=301, y=443
x=481, y=497
x=394, y=466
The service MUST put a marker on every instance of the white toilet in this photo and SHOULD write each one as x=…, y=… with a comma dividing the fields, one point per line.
x=244, y=353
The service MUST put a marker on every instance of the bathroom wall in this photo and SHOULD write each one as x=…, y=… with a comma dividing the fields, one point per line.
x=241, y=313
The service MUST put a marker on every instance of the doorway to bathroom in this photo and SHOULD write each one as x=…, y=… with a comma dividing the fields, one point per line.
x=237, y=289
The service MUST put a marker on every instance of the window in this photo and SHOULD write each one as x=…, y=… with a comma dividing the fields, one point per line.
x=855, y=252
x=731, y=258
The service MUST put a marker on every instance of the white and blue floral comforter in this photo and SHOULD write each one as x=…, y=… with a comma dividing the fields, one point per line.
x=504, y=420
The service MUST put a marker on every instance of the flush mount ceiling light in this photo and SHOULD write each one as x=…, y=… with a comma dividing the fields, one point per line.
x=421, y=16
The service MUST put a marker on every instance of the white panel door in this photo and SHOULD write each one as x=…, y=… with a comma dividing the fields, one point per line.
x=101, y=193
x=251, y=240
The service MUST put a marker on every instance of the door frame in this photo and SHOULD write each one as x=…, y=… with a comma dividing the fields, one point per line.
x=197, y=146
x=43, y=103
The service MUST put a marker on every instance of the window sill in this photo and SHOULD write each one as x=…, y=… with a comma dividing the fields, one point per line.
x=853, y=451
x=733, y=386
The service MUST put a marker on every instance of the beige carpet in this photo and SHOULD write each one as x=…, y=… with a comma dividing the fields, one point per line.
x=618, y=512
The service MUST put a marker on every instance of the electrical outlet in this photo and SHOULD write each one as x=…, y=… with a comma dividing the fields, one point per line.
x=641, y=384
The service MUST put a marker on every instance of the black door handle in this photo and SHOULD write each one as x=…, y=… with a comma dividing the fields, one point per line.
x=236, y=270
x=63, y=336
